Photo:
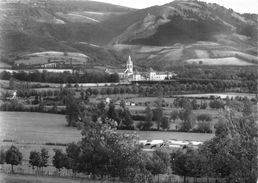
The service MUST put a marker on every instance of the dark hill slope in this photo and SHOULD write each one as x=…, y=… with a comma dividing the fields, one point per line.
x=185, y=21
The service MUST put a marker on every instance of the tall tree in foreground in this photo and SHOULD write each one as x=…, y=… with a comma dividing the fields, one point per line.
x=237, y=160
x=13, y=156
x=104, y=152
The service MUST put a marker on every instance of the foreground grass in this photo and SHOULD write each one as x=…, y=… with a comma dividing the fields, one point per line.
x=15, y=178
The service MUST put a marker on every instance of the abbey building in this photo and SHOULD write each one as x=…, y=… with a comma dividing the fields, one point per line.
x=130, y=74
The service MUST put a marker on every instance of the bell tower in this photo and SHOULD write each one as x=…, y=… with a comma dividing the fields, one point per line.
x=129, y=65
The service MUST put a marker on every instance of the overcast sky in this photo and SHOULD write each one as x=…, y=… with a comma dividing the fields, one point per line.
x=241, y=6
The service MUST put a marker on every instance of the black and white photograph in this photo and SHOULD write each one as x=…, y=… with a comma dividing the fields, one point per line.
x=128, y=91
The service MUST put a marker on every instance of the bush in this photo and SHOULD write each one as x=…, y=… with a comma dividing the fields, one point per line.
x=164, y=123
x=203, y=127
x=138, y=118
x=14, y=105
x=204, y=117
x=216, y=104
x=126, y=128
x=203, y=105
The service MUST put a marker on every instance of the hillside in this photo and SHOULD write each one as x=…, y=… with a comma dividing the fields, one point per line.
x=186, y=21
x=172, y=34
x=33, y=26
x=159, y=36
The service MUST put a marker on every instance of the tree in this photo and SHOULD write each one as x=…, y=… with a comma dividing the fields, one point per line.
x=72, y=110
x=247, y=110
x=112, y=113
x=203, y=105
x=127, y=121
x=95, y=91
x=178, y=163
x=187, y=116
x=34, y=159
x=203, y=127
x=82, y=94
x=105, y=152
x=204, y=117
x=159, y=162
x=59, y=159
x=158, y=113
x=13, y=156
x=148, y=118
x=174, y=115
x=237, y=160
x=122, y=104
x=216, y=104
x=195, y=104
x=164, y=123
x=2, y=156
x=73, y=153
x=44, y=158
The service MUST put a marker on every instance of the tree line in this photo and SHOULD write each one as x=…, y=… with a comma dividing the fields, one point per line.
x=65, y=77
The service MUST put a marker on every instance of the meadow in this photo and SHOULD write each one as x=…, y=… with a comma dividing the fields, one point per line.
x=41, y=128
x=36, y=128
x=31, y=131
x=12, y=178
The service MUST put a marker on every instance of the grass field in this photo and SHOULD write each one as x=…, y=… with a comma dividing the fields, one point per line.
x=39, y=128
x=30, y=131
x=14, y=178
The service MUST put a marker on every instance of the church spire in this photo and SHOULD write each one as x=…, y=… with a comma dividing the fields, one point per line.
x=129, y=61
x=129, y=65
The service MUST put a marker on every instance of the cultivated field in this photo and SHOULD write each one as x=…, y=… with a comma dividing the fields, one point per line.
x=221, y=95
x=219, y=61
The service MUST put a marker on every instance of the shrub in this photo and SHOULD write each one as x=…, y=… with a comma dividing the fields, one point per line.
x=138, y=117
x=204, y=117
x=216, y=104
x=203, y=105
x=203, y=127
